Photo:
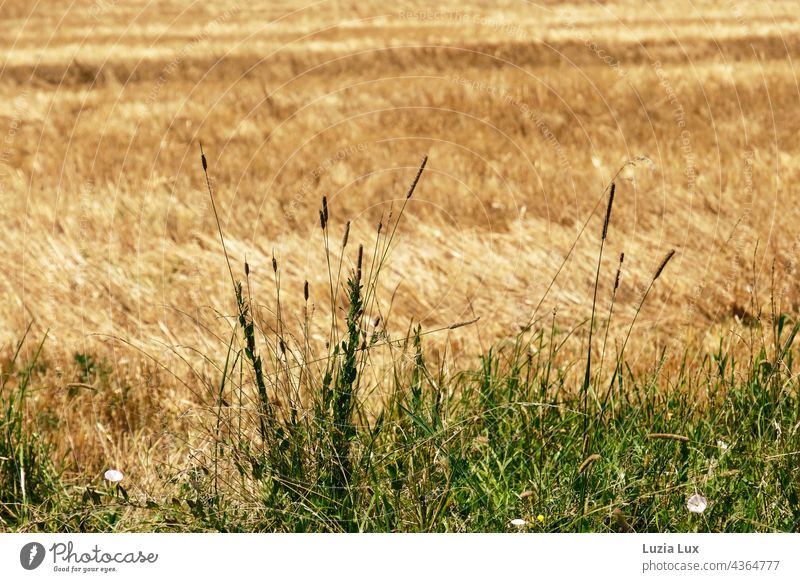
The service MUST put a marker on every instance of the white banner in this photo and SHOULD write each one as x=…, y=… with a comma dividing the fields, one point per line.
x=369, y=557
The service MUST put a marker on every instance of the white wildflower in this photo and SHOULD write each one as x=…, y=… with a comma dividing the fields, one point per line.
x=697, y=503
x=113, y=475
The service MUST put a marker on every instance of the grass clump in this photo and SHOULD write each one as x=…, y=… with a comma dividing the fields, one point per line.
x=523, y=435
x=29, y=482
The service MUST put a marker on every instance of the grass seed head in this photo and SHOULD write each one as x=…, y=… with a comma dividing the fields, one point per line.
x=663, y=264
x=346, y=234
x=358, y=265
x=608, y=210
x=203, y=158
x=416, y=179
x=619, y=271
x=588, y=461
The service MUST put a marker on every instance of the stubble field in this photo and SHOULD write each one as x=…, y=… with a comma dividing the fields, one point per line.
x=527, y=112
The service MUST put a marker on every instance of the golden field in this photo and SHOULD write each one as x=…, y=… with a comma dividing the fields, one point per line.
x=526, y=112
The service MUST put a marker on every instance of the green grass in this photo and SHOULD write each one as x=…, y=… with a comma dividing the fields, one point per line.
x=473, y=450
x=28, y=478
x=534, y=430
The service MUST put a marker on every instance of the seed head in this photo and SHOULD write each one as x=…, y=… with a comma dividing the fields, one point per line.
x=588, y=461
x=346, y=234
x=360, y=260
x=608, y=210
x=619, y=271
x=663, y=264
x=416, y=179
x=203, y=158
x=462, y=323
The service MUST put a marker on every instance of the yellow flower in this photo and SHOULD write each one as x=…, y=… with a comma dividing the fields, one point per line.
x=540, y=518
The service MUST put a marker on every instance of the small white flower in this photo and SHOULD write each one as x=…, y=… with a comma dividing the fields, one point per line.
x=518, y=522
x=697, y=503
x=113, y=475
x=722, y=445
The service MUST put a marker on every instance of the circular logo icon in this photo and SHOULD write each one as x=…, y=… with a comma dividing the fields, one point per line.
x=31, y=555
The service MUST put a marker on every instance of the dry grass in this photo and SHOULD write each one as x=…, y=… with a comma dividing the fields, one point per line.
x=526, y=113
